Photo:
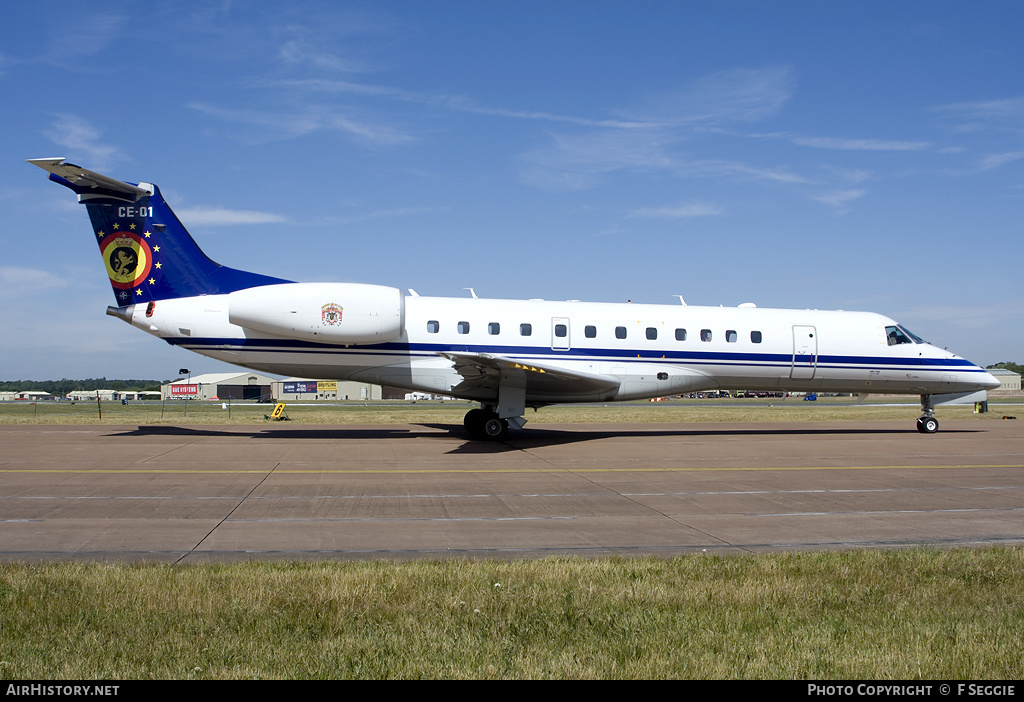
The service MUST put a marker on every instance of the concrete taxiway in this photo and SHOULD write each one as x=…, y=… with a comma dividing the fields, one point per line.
x=194, y=494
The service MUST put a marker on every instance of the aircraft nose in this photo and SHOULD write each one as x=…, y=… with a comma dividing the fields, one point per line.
x=990, y=381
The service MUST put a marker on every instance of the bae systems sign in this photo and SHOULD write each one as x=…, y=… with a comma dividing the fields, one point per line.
x=184, y=389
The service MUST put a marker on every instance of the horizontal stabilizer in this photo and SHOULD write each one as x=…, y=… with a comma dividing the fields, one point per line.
x=84, y=180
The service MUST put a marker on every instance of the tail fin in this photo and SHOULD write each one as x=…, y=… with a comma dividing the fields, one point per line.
x=147, y=252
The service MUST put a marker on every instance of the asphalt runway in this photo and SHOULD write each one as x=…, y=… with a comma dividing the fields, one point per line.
x=194, y=494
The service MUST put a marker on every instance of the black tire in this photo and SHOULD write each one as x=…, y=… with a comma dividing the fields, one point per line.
x=927, y=425
x=474, y=422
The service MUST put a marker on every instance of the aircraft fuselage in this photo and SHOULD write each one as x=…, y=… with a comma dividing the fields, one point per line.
x=652, y=350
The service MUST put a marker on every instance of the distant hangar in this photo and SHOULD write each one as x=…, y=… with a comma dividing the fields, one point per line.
x=255, y=386
x=1008, y=380
x=219, y=386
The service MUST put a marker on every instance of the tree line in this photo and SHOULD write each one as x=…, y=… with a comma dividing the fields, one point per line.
x=63, y=386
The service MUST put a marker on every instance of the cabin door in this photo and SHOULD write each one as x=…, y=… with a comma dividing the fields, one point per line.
x=805, y=352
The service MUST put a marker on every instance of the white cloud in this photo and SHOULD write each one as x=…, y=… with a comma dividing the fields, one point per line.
x=216, y=216
x=734, y=169
x=844, y=144
x=988, y=110
x=690, y=209
x=839, y=198
x=455, y=103
x=576, y=162
x=996, y=160
x=399, y=212
x=16, y=281
x=83, y=140
x=76, y=36
x=738, y=95
x=648, y=139
x=289, y=125
x=298, y=51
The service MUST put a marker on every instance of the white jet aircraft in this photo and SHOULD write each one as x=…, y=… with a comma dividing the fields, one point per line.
x=505, y=354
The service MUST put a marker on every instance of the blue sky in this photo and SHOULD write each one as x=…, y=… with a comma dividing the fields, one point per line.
x=831, y=155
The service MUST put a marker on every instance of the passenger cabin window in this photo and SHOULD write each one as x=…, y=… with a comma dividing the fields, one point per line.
x=896, y=336
x=463, y=327
x=620, y=332
x=590, y=331
x=493, y=328
x=525, y=329
x=433, y=326
x=561, y=331
x=755, y=337
x=730, y=336
x=652, y=333
x=680, y=335
x=705, y=335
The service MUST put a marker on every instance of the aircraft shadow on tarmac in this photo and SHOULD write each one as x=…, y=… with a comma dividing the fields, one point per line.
x=531, y=437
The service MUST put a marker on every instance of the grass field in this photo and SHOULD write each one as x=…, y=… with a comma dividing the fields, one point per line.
x=909, y=614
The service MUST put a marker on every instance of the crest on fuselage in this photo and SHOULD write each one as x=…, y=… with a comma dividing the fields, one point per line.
x=331, y=314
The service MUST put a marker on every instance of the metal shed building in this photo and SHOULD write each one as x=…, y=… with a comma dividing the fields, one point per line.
x=304, y=389
x=219, y=386
x=1008, y=380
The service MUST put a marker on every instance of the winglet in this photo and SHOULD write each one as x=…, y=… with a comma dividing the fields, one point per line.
x=84, y=181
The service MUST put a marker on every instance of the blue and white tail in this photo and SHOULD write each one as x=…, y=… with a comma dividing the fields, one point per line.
x=147, y=252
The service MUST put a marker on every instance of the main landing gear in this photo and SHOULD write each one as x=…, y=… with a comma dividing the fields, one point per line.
x=485, y=423
x=927, y=423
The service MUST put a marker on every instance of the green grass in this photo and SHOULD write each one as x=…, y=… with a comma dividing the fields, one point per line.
x=908, y=614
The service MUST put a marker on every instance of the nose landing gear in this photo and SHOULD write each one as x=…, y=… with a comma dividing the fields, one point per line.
x=927, y=423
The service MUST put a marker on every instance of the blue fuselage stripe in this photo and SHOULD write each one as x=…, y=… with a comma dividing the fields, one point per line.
x=575, y=354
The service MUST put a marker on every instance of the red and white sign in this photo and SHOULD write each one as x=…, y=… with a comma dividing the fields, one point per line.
x=184, y=390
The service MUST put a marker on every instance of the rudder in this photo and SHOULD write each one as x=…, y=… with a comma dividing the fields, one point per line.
x=147, y=252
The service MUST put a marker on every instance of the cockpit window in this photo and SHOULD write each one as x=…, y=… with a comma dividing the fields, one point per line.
x=899, y=335
x=912, y=335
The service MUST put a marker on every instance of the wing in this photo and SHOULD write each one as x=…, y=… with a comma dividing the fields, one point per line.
x=541, y=380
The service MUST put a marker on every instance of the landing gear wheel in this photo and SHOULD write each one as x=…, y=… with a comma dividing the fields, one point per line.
x=495, y=429
x=927, y=425
x=474, y=422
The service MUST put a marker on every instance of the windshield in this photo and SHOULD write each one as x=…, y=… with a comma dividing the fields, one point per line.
x=899, y=335
x=912, y=335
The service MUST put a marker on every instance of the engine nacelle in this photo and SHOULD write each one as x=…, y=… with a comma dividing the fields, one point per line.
x=335, y=313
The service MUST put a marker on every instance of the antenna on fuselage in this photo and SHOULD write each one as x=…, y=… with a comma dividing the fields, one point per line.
x=471, y=291
x=681, y=300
